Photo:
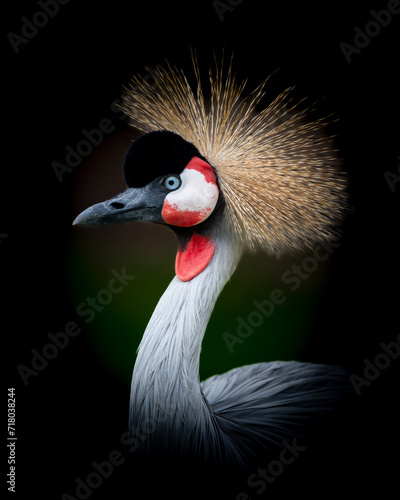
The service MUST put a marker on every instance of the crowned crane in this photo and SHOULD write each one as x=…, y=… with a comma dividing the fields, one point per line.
x=225, y=177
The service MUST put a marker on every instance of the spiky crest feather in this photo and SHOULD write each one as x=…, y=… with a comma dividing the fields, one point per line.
x=279, y=173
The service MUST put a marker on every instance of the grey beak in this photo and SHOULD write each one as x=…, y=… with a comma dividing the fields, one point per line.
x=134, y=204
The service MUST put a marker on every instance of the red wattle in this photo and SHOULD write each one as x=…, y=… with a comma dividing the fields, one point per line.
x=194, y=258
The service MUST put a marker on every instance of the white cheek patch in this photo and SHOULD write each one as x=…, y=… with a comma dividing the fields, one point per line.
x=196, y=199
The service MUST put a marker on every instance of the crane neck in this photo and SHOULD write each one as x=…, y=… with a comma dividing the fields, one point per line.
x=166, y=398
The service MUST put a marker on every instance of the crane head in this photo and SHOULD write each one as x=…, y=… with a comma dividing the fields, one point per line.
x=273, y=175
x=168, y=181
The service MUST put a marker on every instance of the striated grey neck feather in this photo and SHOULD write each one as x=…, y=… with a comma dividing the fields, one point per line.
x=168, y=410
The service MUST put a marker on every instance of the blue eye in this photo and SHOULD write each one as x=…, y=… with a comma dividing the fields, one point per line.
x=172, y=182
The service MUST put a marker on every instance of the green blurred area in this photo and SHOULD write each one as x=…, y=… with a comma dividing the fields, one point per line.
x=148, y=254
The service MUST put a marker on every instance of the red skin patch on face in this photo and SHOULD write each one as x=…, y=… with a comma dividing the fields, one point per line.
x=194, y=258
x=202, y=167
x=183, y=218
x=173, y=215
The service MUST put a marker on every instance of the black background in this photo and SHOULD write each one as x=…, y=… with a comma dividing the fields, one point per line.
x=63, y=80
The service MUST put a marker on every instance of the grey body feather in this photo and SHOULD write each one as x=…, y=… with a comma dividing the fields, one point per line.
x=267, y=403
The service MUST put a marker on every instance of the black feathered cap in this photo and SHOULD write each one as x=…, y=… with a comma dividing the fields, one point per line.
x=155, y=154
